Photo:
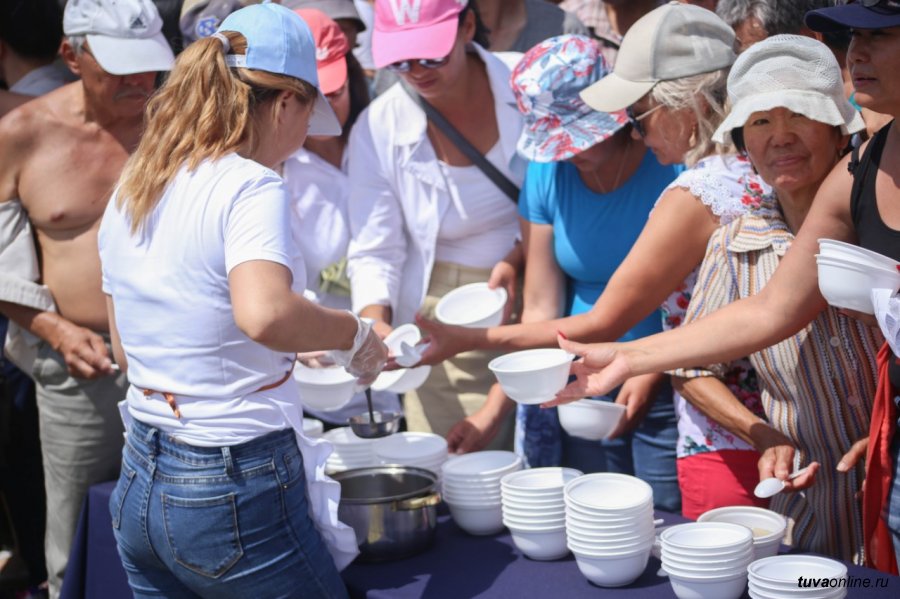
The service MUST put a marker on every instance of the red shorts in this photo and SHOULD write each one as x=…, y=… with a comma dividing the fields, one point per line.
x=718, y=479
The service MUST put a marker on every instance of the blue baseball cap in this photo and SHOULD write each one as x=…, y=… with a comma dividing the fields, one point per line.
x=279, y=41
x=862, y=14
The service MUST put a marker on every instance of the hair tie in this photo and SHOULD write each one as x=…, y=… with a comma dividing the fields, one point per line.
x=226, y=45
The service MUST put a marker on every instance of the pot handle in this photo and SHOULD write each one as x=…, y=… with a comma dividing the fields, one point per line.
x=419, y=502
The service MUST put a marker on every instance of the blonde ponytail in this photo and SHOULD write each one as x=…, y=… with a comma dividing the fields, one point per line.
x=204, y=110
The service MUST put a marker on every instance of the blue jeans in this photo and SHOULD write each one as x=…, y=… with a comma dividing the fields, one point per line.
x=218, y=522
x=648, y=452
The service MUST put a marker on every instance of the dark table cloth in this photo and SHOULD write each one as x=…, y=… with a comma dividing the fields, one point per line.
x=458, y=566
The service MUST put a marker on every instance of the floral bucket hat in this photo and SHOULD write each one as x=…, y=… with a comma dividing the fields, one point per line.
x=546, y=83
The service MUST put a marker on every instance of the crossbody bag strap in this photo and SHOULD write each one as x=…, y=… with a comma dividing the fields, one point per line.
x=463, y=145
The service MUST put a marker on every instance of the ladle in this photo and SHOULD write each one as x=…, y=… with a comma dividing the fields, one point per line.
x=770, y=487
x=374, y=425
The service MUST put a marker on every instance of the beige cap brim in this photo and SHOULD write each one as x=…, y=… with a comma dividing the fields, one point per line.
x=613, y=93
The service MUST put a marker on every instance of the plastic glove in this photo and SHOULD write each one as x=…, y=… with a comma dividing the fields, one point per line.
x=366, y=357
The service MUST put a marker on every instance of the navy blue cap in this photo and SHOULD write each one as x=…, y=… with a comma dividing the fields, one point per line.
x=882, y=15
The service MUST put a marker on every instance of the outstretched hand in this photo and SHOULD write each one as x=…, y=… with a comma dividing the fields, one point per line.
x=444, y=340
x=601, y=369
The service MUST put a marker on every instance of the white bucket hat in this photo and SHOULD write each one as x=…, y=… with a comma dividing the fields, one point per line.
x=670, y=42
x=124, y=36
x=788, y=71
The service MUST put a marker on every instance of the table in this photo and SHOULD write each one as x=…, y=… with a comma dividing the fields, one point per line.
x=458, y=566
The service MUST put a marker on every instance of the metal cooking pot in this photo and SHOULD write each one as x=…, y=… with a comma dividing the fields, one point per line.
x=392, y=509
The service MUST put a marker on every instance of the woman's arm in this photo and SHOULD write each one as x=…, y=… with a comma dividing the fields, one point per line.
x=115, y=340
x=789, y=301
x=671, y=244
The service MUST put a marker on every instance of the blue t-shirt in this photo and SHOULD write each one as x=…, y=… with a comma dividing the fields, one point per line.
x=593, y=232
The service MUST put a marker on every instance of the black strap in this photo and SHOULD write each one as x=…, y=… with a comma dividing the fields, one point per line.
x=463, y=145
x=859, y=167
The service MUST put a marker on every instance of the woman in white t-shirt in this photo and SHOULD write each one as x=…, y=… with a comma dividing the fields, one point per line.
x=219, y=494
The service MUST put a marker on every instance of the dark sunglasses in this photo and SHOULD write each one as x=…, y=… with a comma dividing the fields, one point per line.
x=404, y=66
x=635, y=119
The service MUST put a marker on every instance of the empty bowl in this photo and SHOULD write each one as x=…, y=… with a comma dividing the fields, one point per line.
x=474, y=306
x=608, y=493
x=547, y=545
x=833, y=248
x=709, y=588
x=612, y=571
x=477, y=520
x=532, y=376
x=402, y=380
x=325, y=389
x=590, y=418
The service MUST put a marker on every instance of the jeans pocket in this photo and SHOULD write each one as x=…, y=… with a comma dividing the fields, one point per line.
x=120, y=492
x=203, y=533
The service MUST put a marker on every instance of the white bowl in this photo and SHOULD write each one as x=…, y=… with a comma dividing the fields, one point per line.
x=704, y=571
x=767, y=526
x=693, y=588
x=532, y=376
x=848, y=251
x=613, y=571
x=588, y=537
x=539, y=514
x=540, y=545
x=523, y=525
x=590, y=418
x=784, y=570
x=485, y=520
x=757, y=589
x=402, y=380
x=705, y=538
x=324, y=389
x=848, y=285
x=602, y=548
x=407, y=446
x=539, y=481
x=474, y=306
x=530, y=503
x=481, y=464
x=313, y=427
x=607, y=492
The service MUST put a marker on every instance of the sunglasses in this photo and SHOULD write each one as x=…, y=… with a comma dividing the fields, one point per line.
x=635, y=119
x=404, y=66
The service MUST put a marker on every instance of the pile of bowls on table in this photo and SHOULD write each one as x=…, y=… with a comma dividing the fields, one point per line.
x=349, y=451
x=848, y=273
x=422, y=450
x=609, y=526
x=707, y=560
x=767, y=527
x=777, y=577
x=534, y=510
x=471, y=489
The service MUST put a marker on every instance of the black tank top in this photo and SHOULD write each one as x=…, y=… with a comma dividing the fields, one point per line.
x=873, y=234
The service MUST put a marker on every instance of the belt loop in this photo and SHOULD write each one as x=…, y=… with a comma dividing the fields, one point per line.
x=151, y=438
x=229, y=465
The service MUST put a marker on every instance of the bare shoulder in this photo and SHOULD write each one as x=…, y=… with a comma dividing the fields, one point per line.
x=28, y=128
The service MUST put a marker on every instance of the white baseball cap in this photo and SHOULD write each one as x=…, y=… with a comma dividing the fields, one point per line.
x=788, y=71
x=672, y=41
x=124, y=35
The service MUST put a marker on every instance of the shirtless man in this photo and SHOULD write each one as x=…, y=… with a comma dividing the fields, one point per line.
x=60, y=156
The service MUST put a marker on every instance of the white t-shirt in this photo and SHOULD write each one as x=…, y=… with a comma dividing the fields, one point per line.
x=173, y=304
x=480, y=225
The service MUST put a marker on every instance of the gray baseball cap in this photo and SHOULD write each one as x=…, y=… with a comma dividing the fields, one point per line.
x=670, y=42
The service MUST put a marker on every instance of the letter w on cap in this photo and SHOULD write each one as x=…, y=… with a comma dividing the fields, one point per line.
x=406, y=10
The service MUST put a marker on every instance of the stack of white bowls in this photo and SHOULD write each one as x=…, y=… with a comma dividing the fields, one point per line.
x=534, y=510
x=848, y=273
x=313, y=427
x=422, y=450
x=777, y=577
x=609, y=525
x=471, y=489
x=349, y=450
x=767, y=527
x=707, y=560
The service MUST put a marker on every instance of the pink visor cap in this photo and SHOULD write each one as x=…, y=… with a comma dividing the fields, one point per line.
x=410, y=29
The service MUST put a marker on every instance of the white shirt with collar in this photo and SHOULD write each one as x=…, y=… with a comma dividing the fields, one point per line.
x=399, y=193
x=43, y=80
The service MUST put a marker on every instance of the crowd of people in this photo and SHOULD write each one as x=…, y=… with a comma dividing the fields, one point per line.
x=195, y=192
